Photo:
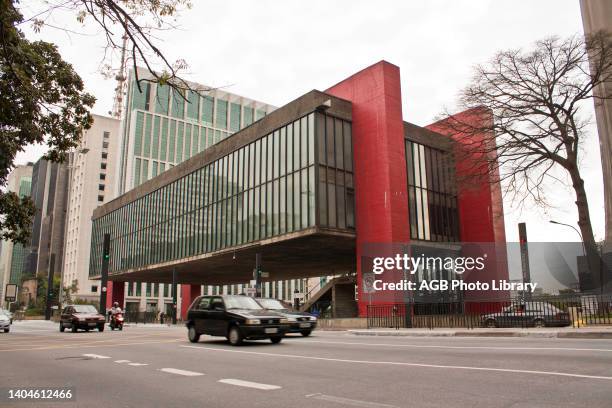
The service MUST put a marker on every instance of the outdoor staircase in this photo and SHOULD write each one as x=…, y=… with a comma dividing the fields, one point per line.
x=338, y=295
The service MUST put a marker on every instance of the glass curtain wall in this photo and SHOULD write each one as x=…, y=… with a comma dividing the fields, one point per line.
x=432, y=196
x=264, y=189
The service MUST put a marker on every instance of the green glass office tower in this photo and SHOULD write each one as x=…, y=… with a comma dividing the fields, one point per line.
x=163, y=127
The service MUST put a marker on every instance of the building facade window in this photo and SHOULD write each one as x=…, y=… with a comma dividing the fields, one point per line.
x=264, y=189
x=432, y=196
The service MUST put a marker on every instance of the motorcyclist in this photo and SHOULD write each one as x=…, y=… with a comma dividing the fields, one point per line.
x=115, y=309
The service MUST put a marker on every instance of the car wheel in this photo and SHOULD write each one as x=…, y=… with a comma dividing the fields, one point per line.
x=7, y=330
x=490, y=324
x=74, y=328
x=121, y=327
x=234, y=336
x=306, y=333
x=193, y=335
x=539, y=323
x=276, y=339
x=62, y=328
x=101, y=328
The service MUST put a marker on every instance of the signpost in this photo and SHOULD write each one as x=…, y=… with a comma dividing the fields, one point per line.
x=10, y=294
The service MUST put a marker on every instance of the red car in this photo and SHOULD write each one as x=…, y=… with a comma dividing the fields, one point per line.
x=84, y=317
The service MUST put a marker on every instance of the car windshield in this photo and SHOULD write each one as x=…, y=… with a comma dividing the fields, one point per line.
x=271, y=304
x=241, y=302
x=85, y=309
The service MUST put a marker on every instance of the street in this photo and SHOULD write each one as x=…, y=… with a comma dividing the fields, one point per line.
x=158, y=367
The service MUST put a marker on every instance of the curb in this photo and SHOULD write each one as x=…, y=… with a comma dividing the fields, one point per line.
x=547, y=335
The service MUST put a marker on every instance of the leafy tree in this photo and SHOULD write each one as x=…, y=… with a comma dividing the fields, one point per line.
x=524, y=119
x=42, y=98
x=41, y=101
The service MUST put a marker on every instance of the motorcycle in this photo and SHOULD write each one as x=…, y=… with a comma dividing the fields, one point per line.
x=116, y=321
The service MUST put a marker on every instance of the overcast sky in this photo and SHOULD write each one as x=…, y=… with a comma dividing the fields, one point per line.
x=275, y=51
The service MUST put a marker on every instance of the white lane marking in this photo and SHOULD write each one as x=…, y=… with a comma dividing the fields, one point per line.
x=347, y=401
x=249, y=384
x=95, y=356
x=122, y=361
x=138, y=364
x=397, y=363
x=180, y=372
x=447, y=347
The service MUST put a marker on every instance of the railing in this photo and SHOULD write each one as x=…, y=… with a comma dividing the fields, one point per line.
x=545, y=311
x=141, y=317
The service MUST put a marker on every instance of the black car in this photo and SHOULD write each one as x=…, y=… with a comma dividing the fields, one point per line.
x=235, y=317
x=528, y=314
x=84, y=317
x=299, y=322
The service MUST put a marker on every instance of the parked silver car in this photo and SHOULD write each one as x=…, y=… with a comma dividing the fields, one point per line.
x=5, y=321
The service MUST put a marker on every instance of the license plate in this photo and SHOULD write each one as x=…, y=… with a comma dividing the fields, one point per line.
x=271, y=330
x=92, y=324
x=304, y=325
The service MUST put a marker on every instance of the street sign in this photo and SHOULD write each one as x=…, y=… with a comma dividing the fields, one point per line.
x=265, y=274
x=10, y=293
x=251, y=292
x=368, y=282
x=298, y=296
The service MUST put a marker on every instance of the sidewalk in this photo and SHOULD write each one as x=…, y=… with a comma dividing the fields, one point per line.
x=604, y=332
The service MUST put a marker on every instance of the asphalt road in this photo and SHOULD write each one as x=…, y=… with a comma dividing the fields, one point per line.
x=158, y=367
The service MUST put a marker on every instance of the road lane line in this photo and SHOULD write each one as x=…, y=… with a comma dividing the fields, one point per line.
x=122, y=361
x=347, y=401
x=138, y=364
x=405, y=364
x=249, y=384
x=180, y=372
x=67, y=347
x=448, y=347
x=97, y=356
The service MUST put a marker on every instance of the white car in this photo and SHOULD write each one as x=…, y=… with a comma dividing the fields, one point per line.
x=5, y=321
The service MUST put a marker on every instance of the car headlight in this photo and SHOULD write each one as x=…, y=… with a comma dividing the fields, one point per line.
x=291, y=319
x=312, y=318
x=252, y=321
x=284, y=320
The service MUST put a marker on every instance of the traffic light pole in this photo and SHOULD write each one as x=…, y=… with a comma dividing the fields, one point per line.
x=104, y=274
x=257, y=275
x=524, y=256
x=50, y=286
x=174, y=296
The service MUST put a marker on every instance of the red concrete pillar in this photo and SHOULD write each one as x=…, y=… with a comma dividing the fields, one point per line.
x=188, y=295
x=479, y=197
x=115, y=292
x=379, y=161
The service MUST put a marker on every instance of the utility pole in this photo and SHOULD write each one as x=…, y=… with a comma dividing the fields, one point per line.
x=524, y=256
x=104, y=277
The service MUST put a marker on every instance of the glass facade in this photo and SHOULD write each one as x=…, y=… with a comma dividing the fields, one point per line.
x=264, y=189
x=432, y=195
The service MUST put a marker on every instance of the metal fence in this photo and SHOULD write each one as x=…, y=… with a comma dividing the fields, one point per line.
x=141, y=317
x=578, y=310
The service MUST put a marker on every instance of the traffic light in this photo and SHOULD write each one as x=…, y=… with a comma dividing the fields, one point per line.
x=106, y=247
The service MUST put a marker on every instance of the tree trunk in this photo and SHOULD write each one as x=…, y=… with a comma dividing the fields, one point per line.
x=586, y=229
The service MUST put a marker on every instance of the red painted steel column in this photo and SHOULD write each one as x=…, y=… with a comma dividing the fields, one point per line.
x=115, y=293
x=381, y=198
x=188, y=295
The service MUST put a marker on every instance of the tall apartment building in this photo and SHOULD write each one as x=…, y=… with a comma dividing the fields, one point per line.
x=50, y=196
x=13, y=256
x=91, y=182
